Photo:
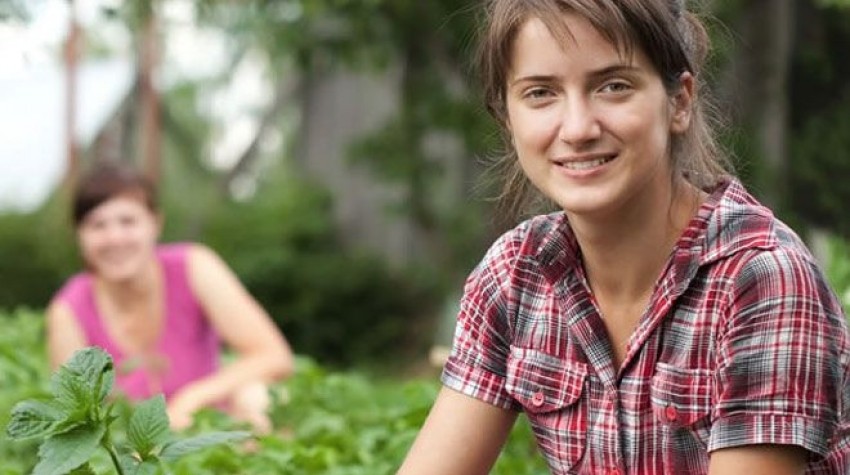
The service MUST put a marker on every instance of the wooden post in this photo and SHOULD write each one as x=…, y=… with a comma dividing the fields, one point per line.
x=71, y=57
x=150, y=120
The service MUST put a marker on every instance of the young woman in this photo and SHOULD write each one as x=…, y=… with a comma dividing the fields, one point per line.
x=160, y=310
x=664, y=322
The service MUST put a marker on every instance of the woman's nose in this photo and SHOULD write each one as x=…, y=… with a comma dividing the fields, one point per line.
x=579, y=123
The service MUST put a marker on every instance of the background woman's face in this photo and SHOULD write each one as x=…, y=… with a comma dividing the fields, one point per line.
x=591, y=127
x=118, y=237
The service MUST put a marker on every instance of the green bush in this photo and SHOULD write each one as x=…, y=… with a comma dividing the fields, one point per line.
x=818, y=163
x=334, y=304
x=37, y=254
x=338, y=423
x=838, y=270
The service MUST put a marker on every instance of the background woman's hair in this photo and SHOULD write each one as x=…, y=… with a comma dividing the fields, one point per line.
x=107, y=180
x=673, y=38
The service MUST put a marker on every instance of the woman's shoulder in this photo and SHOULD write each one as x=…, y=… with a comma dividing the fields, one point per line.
x=528, y=242
x=174, y=250
x=76, y=287
x=535, y=231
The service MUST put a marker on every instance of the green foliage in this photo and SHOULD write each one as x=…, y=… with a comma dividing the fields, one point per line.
x=76, y=422
x=335, y=304
x=834, y=3
x=337, y=423
x=37, y=251
x=838, y=271
x=819, y=158
x=429, y=150
x=15, y=10
x=23, y=364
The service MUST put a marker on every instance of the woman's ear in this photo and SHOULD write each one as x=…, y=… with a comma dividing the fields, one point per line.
x=682, y=103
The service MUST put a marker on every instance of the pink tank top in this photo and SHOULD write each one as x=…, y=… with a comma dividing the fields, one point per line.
x=188, y=347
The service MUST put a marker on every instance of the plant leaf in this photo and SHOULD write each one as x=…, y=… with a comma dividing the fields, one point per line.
x=72, y=420
x=148, y=466
x=84, y=469
x=179, y=448
x=33, y=418
x=128, y=462
x=62, y=453
x=69, y=390
x=148, y=426
x=94, y=367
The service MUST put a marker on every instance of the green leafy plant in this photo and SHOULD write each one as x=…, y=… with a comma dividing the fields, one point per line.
x=75, y=424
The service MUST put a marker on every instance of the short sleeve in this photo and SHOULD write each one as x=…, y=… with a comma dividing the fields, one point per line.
x=477, y=365
x=782, y=357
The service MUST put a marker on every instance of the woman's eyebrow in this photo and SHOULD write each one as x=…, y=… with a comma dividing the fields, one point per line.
x=614, y=69
x=534, y=78
x=596, y=73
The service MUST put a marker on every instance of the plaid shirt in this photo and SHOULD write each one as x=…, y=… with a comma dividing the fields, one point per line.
x=743, y=343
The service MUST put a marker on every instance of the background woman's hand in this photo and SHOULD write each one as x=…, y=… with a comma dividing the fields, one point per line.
x=182, y=406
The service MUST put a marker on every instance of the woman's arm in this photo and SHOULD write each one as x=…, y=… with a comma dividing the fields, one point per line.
x=462, y=436
x=759, y=460
x=262, y=352
x=64, y=335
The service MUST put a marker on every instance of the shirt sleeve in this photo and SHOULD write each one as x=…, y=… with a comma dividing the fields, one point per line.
x=782, y=357
x=478, y=360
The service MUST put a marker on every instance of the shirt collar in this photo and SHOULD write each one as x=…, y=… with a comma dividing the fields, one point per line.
x=730, y=220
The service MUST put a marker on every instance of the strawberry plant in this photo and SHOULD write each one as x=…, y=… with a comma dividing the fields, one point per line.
x=76, y=423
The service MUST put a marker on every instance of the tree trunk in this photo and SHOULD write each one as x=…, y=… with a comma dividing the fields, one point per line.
x=760, y=79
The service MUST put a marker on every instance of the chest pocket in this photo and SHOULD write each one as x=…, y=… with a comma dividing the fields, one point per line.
x=681, y=406
x=550, y=391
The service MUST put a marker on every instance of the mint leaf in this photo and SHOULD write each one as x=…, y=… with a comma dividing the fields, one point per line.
x=62, y=453
x=84, y=469
x=128, y=462
x=148, y=426
x=69, y=390
x=179, y=448
x=33, y=419
x=147, y=467
x=94, y=367
x=72, y=420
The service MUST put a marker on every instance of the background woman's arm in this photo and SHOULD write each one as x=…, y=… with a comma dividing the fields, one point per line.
x=64, y=335
x=263, y=355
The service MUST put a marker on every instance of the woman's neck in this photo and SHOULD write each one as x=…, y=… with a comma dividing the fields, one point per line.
x=624, y=254
x=139, y=289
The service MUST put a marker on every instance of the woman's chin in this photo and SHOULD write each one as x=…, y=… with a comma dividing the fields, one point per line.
x=116, y=274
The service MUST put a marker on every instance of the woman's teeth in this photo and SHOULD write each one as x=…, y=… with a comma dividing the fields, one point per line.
x=586, y=164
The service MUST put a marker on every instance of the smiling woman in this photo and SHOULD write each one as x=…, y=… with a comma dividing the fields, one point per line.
x=161, y=309
x=663, y=321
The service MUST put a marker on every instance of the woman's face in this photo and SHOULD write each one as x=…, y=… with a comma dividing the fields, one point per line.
x=117, y=238
x=591, y=128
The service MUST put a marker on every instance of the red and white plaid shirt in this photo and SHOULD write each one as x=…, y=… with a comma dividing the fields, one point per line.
x=743, y=343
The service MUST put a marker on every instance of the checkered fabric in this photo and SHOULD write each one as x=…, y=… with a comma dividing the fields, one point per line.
x=743, y=343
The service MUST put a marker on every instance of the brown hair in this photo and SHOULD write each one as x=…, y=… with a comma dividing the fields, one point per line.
x=107, y=180
x=674, y=40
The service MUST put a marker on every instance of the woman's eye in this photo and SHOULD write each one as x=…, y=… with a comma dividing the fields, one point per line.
x=537, y=93
x=615, y=87
x=94, y=225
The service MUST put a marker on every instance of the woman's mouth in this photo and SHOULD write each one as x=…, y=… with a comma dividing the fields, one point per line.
x=585, y=163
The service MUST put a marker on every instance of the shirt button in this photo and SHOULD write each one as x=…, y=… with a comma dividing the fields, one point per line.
x=671, y=413
x=538, y=399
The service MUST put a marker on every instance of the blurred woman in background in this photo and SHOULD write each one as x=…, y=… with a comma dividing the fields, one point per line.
x=161, y=310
